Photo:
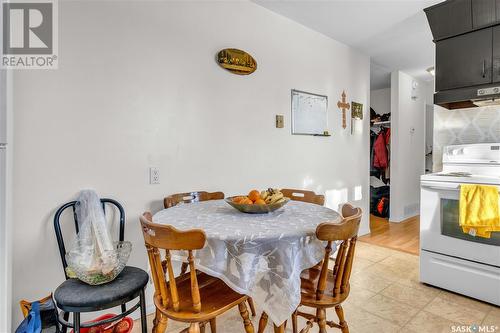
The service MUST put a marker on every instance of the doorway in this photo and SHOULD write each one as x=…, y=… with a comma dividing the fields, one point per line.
x=398, y=147
x=380, y=156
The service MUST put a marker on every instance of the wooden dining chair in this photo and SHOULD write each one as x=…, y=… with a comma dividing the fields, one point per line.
x=195, y=297
x=322, y=288
x=318, y=281
x=189, y=197
x=303, y=195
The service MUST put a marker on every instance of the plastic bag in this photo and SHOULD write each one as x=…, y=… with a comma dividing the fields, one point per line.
x=32, y=323
x=93, y=252
x=47, y=309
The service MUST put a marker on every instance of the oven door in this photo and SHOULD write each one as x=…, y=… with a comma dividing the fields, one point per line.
x=440, y=231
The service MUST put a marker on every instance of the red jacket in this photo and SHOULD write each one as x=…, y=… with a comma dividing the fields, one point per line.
x=380, y=155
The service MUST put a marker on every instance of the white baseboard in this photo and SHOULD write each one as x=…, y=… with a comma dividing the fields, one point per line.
x=399, y=219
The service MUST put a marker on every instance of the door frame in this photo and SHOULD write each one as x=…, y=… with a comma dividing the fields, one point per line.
x=6, y=205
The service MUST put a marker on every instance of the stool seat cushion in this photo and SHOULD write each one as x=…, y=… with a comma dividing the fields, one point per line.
x=74, y=295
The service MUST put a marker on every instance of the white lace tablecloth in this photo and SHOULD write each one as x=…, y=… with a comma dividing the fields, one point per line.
x=260, y=255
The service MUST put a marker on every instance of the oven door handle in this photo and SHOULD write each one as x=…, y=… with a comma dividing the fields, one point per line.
x=439, y=185
x=442, y=185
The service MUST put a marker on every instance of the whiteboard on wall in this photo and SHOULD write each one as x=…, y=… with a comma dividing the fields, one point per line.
x=309, y=113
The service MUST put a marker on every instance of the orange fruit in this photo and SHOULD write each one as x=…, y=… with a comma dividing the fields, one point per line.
x=246, y=201
x=259, y=202
x=254, y=195
x=239, y=199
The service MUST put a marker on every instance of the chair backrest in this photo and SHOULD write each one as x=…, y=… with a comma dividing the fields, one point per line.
x=156, y=237
x=346, y=232
x=72, y=205
x=189, y=197
x=348, y=210
x=305, y=196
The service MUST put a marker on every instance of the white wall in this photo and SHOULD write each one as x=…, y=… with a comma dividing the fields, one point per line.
x=137, y=86
x=407, y=145
x=380, y=100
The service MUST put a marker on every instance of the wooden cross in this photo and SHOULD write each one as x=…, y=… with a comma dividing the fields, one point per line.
x=344, y=107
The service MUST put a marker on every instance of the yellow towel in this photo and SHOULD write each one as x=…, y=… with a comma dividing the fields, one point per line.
x=479, y=211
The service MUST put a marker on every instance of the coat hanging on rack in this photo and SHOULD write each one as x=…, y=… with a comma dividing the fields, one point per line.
x=380, y=153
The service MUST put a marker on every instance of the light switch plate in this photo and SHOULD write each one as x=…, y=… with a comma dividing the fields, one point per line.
x=280, y=122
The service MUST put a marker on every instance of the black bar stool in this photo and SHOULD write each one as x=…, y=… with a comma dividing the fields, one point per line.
x=75, y=296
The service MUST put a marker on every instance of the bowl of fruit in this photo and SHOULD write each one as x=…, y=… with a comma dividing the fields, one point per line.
x=259, y=202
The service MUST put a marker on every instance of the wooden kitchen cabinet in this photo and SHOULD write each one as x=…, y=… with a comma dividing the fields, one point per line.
x=497, y=10
x=465, y=60
x=496, y=54
x=484, y=13
x=458, y=14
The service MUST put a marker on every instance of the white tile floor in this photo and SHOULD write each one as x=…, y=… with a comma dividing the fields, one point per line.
x=387, y=297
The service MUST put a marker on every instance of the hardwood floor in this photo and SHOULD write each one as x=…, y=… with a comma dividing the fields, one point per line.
x=403, y=236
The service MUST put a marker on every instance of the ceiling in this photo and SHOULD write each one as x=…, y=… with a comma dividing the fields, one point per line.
x=395, y=34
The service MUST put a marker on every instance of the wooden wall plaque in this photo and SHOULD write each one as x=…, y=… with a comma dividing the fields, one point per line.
x=236, y=61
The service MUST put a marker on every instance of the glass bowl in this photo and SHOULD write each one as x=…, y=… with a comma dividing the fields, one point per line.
x=257, y=209
x=95, y=277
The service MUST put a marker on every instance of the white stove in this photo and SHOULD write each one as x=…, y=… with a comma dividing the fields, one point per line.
x=449, y=258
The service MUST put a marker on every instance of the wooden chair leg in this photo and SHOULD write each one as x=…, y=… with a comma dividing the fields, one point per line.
x=294, y=321
x=161, y=323
x=213, y=325
x=246, y=318
x=194, y=328
x=321, y=315
x=252, y=306
x=202, y=327
x=184, y=268
x=279, y=329
x=156, y=319
x=263, y=322
x=306, y=329
x=342, y=322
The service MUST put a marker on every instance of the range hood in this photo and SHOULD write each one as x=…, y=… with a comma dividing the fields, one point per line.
x=467, y=38
x=468, y=97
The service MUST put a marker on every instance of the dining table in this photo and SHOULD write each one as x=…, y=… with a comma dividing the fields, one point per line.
x=259, y=255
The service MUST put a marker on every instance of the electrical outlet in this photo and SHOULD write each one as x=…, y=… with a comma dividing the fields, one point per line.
x=154, y=175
